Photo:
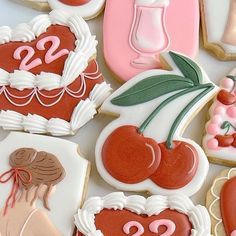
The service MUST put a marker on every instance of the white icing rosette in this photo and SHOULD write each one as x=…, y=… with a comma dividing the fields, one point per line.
x=152, y=3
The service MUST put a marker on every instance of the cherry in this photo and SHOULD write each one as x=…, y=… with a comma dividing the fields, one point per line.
x=74, y=2
x=234, y=142
x=226, y=97
x=178, y=165
x=224, y=140
x=130, y=157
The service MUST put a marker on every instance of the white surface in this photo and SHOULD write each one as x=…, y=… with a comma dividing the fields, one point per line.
x=12, y=13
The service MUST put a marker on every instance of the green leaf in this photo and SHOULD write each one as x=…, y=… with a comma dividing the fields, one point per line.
x=151, y=88
x=188, y=67
x=232, y=77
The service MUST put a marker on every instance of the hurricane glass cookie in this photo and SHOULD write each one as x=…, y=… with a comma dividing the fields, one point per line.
x=42, y=184
x=116, y=214
x=219, y=140
x=49, y=79
x=135, y=32
x=218, y=32
x=143, y=148
x=220, y=202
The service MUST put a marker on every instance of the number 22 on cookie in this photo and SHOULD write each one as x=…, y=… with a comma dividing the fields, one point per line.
x=50, y=55
x=143, y=149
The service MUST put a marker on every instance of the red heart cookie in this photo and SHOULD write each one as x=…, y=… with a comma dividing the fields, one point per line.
x=45, y=66
x=118, y=215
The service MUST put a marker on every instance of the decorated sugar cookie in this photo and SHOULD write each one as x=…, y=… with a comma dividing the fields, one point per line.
x=42, y=182
x=41, y=5
x=220, y=139
x=116, y=214
x=220, y=202
x=135, y=32
x=218, y=32
x=88, y=9
x=143, y=148
x=49, y=79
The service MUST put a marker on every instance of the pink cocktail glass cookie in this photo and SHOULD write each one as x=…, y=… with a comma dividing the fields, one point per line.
x=135, y=32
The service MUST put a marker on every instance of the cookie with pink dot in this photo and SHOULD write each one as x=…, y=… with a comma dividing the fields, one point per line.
x=220, y=138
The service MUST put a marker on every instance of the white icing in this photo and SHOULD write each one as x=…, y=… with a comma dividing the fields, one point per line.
x=66, y=199
x=152, y=2
x=215, y=25
x=76, y=62
x=158, y=130
x=198, y=215
x=83, y=112
x=214, y=208
x=87, y=11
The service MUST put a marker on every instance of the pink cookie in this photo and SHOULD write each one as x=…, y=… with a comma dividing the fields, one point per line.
x=137, y=31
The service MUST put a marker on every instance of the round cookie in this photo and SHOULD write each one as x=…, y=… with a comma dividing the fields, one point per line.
x=142, y=149
x=116, y=214
x=220, y=202
x=42, y=183
x=88, y=9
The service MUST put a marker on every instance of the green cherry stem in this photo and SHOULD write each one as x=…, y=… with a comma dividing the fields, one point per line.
x=234, y=80
x=169, y=142
x=144, y=125
x=227, y=125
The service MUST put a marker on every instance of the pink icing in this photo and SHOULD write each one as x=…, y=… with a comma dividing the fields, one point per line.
x=233, y=233
x=213, y=129
x=24, y=65
x=118, y=20
x=219, y=110
x=227, y=83
x=170, y=225
x=213, y=144
x=130, y=224
x=217, y=119
x=148, y=41
x=55, y=44
x=231, y=111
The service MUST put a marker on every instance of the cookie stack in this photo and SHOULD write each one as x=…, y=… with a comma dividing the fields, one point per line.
x=51, y=84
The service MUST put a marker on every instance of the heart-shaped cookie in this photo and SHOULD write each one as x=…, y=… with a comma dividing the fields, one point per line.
x=118, y=215
x=221, y=203
x=46, y=65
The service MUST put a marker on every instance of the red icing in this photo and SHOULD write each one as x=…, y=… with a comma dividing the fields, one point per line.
x=64, y=108
x=228, y=205
x=111, y=222
x=67, y=41
x=75, y=2
x=178, y=166
x=129, y=156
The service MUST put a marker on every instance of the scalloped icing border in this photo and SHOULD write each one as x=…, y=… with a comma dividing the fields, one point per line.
x=76, y=62
x=214, y=204
x=83, y=112
x=198, y=215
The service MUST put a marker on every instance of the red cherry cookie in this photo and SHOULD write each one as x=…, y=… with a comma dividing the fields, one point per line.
x=143, y=148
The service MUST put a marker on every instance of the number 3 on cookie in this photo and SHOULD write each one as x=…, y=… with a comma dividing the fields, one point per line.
x=50, y=56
